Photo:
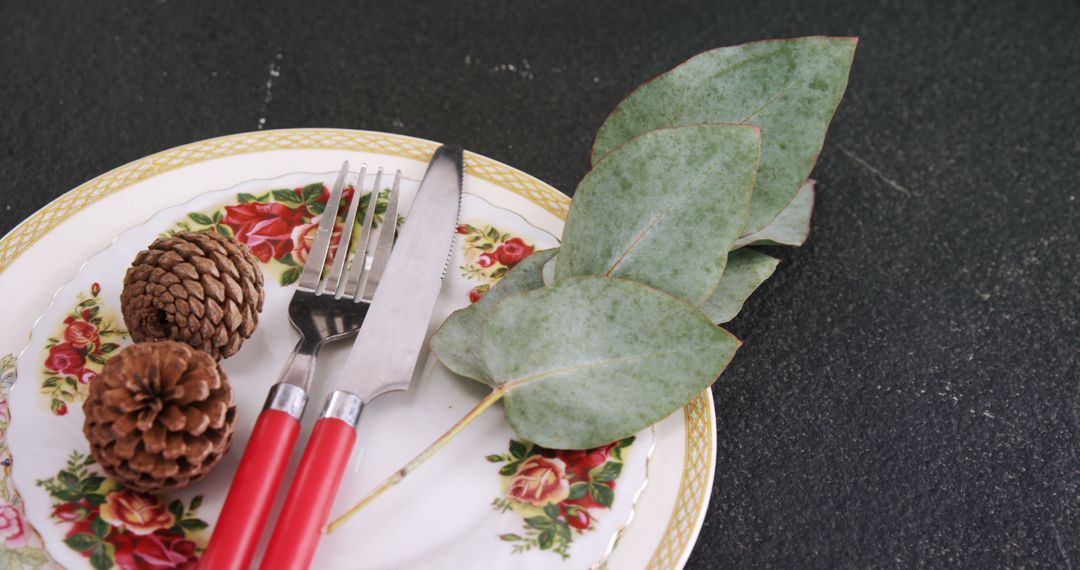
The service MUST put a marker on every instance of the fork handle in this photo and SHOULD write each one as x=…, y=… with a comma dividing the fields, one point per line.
x=311, y=494
x=244, y=514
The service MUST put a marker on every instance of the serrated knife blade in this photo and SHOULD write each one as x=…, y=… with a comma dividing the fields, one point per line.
x=388, y=345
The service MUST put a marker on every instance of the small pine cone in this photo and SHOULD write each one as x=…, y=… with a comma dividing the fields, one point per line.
x=159, y=416
x=203, y=289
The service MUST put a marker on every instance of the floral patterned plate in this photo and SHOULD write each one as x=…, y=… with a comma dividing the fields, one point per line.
x=486, y=501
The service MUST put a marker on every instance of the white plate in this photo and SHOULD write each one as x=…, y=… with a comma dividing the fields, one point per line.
x=449, y=514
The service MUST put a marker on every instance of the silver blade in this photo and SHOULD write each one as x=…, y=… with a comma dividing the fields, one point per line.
x=388, y=345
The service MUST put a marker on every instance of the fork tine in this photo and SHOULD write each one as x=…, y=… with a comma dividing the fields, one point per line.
x=348, y=284
x=331, y=282
x=384, y=245
x=313, y=267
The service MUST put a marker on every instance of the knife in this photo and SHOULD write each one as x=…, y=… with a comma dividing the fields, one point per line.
x=381, y=360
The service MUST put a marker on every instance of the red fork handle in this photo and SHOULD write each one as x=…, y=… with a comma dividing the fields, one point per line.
x=238, y=528
x=307, y=506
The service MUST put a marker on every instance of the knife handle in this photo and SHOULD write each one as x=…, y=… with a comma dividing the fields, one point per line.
x=244, y=514
x=311, y=494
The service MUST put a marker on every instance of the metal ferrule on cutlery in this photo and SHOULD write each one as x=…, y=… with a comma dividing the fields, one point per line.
x=322, y=310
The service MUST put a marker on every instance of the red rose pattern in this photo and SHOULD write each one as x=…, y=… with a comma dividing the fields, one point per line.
x=265, y=228
x=513, y=251
x=76, y=353
x=538, y=481
x=565, y=486
x=12, y=527
x=141, y=531
x=81, y=334
x=486, y=260
x=158, y=551
x=65, y=359
x=489, y=254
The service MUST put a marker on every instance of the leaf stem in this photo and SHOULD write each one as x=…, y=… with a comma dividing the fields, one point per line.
x=417, y=461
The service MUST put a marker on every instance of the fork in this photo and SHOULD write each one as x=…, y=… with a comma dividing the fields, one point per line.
x=322, y=310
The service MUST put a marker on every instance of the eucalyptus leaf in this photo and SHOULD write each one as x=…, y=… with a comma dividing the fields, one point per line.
x=746, y=270
x=790, y=88
x=456, y=343
x=547, y=272
x=791, y=226
x=663, y=209
x=591, y=360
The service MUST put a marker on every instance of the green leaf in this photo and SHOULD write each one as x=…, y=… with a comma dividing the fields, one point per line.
x=663, y=209
x=217, y=217
x=290, y=275
x=791, y=226
x=69, y=480
x=456, y=343
x=66, y=495
x=623, y=444
x=224, y=230
x=176, y=507
x=509, y=468
x=108, y=347
x=286, y=197
x=316, y=208
x=547, y=536
x=193, y=524
x=538, y=522
x=602, y=494
x=592, y=360
x=746, y=270
x=790, y=88
x=547, y=272
x=95, y=499
x=509, y=537
x=91, y=483
x=202, y=219
x=517, y=449
x=609, y=471
x=577, y=491
x=552, y=511
x=312, y=192
x=101, y=559
x=563, y=530
x=244, y=198
x=196, y=502
x=495, y=458
x=99, y=527
x=81, y=542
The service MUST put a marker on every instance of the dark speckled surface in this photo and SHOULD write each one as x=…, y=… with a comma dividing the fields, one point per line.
x=907, y=395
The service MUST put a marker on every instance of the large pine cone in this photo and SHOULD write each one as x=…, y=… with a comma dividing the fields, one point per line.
x=159, y=416
x=203, y=289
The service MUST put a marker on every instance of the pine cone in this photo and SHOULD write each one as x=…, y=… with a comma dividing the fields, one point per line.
x=159, y=416
x=203, y=288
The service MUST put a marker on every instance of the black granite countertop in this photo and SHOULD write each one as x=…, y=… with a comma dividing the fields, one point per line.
x=908, y=392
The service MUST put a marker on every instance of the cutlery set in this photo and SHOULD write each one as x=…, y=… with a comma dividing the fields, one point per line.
x=385, y=295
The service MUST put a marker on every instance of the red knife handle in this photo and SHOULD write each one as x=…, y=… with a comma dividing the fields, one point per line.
x=238, y=528
x=307, y=506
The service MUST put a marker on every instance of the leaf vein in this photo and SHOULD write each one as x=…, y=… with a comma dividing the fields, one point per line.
x=511, y=384
x=641, y=235
x=786, y=89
